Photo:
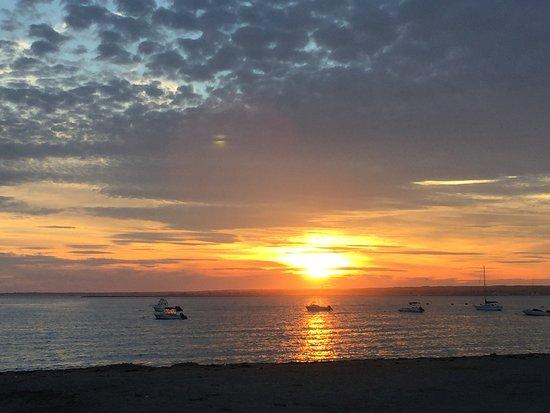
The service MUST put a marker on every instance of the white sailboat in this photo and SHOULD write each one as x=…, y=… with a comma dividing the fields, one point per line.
x=488, y=305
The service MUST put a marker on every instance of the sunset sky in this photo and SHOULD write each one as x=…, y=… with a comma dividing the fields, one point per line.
x=197, y=145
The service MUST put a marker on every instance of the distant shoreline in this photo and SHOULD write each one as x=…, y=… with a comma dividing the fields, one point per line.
x=460, y=384
x=470, y=290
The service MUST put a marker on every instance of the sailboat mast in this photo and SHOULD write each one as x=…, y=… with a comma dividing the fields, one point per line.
x=484, y=284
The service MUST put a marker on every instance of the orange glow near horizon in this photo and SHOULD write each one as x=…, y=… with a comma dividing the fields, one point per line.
x=314, y=264
x=258, y=151
x=433, y=246
x=321, y=255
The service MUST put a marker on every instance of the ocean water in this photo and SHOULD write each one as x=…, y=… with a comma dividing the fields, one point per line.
x=48, y=332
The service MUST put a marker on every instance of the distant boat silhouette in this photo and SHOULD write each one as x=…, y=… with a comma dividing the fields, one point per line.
x=313, y=308
x=487, y=305
x=163, y=312
x=537, y=312
x=413, y=307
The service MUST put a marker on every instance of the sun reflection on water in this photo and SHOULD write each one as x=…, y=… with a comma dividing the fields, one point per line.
x=319, y=338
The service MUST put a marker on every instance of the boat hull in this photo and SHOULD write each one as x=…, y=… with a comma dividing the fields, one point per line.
x=317, y=309
x=536, y=313
x=483, y=307
x=411, y=310
x=162, y=316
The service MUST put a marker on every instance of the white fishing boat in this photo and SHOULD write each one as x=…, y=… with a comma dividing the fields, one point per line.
x=314, y=308
x=413, y=307
x=487, y=305
x=163, y=311
x=537, y=312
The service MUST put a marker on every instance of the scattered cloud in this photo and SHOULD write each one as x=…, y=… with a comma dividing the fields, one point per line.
x=177, y=238
x=57, y=226
x=457, y=182
x=190, y=123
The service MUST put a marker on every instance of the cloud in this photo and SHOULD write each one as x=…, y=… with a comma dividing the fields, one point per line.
x=326, y=108
x=114, y=53
x=87, y=246
x=57, y=226
x=207, y=218
x=47, y=33
x=89, y=252
x=148, y=47
x=175, y=19
x=12, y=205
x=82, y=16
x=123, y=280
x=136, y=7
x=521, y=262
x=28, y=5
x=48, y=261
x=177, y=238
x=275, y=55
x=457, y=182
x=23, y=63
x=427, y=252
x=167, y=63
x=42, y=47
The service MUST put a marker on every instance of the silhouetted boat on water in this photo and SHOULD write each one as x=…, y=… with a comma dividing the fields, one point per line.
x=488, y=305
x=163, y=312
x=537, y=312
x=413, y=307
x=314, y=308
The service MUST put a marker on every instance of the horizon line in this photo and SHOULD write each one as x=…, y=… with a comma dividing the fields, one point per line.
x=283, y=291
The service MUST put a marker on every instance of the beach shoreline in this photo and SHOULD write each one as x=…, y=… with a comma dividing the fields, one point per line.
x=518, y=382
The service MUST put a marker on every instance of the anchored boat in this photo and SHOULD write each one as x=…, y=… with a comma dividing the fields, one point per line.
x=487, y=305
x=537, y=312
x=314, y=308
x=413, y=307
x=164, y=312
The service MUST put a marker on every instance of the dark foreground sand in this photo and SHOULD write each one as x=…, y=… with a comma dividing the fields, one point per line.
x=472, y=384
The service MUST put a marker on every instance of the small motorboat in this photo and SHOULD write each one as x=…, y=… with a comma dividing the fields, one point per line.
x=314, y=308
x=164, y=312
x=413, y=307
x=537, y=312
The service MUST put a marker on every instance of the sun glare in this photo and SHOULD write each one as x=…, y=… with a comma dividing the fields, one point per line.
x=317, y=264
x=321, y=255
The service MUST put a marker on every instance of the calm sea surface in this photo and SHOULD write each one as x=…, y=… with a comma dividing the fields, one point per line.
x=48, y=332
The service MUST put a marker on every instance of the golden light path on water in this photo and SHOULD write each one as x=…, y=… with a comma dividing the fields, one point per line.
x=318, y=344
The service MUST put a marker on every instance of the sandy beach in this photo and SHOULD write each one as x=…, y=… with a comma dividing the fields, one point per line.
x=465, y=384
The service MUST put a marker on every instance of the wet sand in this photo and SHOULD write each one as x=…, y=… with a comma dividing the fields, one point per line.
x=519, y=383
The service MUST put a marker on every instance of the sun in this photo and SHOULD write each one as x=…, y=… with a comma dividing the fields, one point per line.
x=316, y=264
x=320, y=255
